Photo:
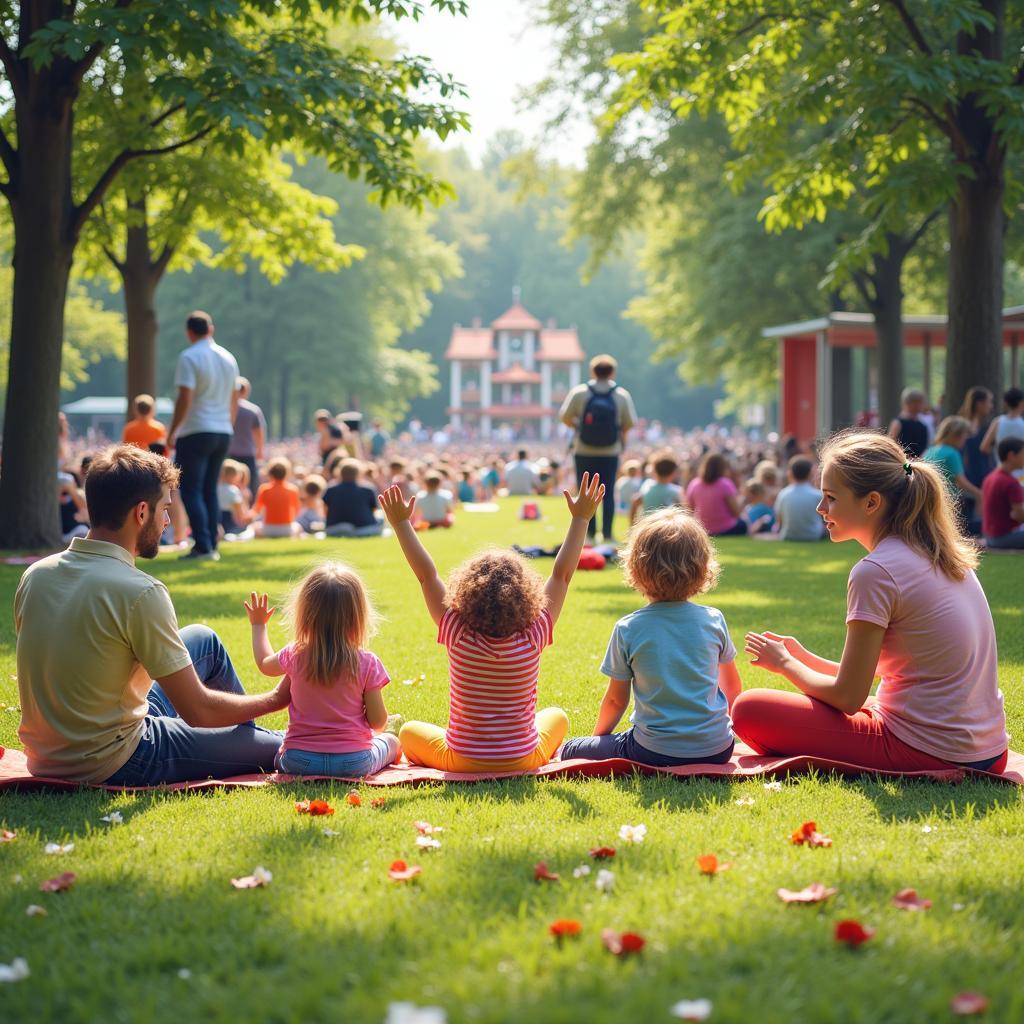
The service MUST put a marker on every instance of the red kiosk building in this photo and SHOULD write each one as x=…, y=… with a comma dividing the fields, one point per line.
x=817, y=369
x=516, y=370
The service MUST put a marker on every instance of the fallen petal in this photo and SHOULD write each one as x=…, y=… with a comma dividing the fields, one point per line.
x=813, y=893
x=744, y=801
x=113, y=818
x=410, y=1013
x=402, y=872
x=622, y=943
x=581, y=871
x=7, y=836
x=967, y=1004
x=853, y=933
x=259, y=878
x=603, y=852
x=907, y=899
x=14, y=971
x=59, y=884
x=565, y=928
x=709, y=864
x=692, y=1009
x=378, y=801
x=429, y=843
x=773, y=787
x=542, y=874
x=34, y=910
x=353, y=799
x=605, y=881
x=55, y=849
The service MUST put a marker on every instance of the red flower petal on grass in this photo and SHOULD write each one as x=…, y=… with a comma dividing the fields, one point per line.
x=808, y=835
x=565, y=928
x=603, y=852
x=709, y=864
x=314, y=807
x=7, y=836
x=402, y=872
x=542, y=874
x=59, y=884
x=813, y=893
x=622, y=943
x=967, y=1004
x=353, y=799
x=853, y=933
x=378, y=801
x=907, y=899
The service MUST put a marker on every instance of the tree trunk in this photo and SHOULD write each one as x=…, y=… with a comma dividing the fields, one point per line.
x=886, y=276
x=43, y=248
x=974, y=341
x=140, y=278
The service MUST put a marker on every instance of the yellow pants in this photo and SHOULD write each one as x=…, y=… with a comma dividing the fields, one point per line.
x=426, y=744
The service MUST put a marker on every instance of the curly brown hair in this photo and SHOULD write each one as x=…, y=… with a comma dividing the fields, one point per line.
x=496, y=594
x=669, y=557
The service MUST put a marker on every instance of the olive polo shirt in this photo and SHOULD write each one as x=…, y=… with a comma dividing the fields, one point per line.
x=93, y=633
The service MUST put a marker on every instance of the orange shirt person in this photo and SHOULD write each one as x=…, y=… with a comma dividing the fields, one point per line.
x=278, y=502
x=144, y=430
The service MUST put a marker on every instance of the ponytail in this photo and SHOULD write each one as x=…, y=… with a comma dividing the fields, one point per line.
x=919, y=505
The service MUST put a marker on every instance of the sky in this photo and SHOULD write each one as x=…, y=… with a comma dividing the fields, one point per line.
x=495, y=51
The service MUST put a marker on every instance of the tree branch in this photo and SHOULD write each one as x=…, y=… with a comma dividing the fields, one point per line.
x=81, y=67
x=106, y=179
x=113, y=259
x=924, y=226
x=911, y=26
x=165, y=257
x=9, y=156
x=170, y=111
x=12, y=67
x=860, y=280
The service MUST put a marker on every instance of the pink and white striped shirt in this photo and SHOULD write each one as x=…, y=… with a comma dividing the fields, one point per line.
x=493, y=688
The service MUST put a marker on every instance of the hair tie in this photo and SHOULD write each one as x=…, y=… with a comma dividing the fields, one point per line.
x=908, y=468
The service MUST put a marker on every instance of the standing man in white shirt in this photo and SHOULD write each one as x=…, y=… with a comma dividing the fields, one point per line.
x=202, y=427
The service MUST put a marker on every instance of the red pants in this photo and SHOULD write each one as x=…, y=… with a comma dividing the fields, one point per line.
x=784, y=723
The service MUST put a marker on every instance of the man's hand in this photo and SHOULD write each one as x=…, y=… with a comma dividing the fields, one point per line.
x=396, y=508
x=258, y=609
x=588, y=501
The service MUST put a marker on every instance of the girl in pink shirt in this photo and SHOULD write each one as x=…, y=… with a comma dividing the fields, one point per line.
x=336, y=708
x=916, y=615
x=494, y=618
x=714, y=498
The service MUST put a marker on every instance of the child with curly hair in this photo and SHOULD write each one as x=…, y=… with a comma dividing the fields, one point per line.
x=495, y=618
x=674, y=656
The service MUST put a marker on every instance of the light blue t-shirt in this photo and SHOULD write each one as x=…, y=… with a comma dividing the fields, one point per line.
x=796, y=509
x=655, y=495
x=670, y=652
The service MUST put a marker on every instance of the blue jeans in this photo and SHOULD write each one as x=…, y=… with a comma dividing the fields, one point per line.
x=172, y=751
x=384, y=750
x=199, y=456
x=606, y=466
x=1008, y=542
x=624, y=744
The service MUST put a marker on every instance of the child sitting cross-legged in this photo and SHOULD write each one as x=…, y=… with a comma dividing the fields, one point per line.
x=336, y=708
x=675, y=656
x=495, y=618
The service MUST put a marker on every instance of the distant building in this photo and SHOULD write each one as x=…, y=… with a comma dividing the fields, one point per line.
x=515, y=371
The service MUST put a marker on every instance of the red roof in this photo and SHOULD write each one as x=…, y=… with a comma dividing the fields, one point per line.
x=560, y=345
x=515, y=374
x=471, y=343
x=516, y=318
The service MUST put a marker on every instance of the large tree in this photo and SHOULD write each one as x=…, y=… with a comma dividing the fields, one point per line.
x=920, y=102
x=238, y=62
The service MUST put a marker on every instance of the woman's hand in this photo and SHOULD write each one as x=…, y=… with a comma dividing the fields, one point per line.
x=258, y=609
x=791, y=644
x=589, y=499
x=396, y=508
x=768, y=653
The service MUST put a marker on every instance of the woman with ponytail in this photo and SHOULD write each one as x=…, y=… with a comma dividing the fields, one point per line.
x=916, y=615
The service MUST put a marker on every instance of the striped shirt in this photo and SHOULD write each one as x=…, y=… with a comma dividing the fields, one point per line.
x=493, y=692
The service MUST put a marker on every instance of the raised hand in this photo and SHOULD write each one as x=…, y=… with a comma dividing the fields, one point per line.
x=588, y=501
x=767, y=652
x=789, y=642
x=258, y=609
x=396, y=508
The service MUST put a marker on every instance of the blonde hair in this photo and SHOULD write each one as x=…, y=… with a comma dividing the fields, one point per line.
x=333, y=619
x=952, y=427
x=919, y=507
x=669, y=556
x=496, y=594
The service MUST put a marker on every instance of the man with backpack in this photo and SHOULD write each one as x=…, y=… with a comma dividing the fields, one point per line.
x=602, y=414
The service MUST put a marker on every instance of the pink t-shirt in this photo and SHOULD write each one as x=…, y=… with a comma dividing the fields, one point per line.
x=710, y=503
x=940, y=687
x=330, y=719
x=493, y=693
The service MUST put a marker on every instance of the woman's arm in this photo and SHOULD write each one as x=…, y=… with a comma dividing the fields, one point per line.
x=398, y=512
x=813, y=661
x=989, y=440
x=259, y=612
x=613, y=704
x=582, y=510
x=851, y=685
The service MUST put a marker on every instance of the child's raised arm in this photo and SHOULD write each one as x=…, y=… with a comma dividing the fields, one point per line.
x=582, y=510
x=259, y=612
x=398, y=513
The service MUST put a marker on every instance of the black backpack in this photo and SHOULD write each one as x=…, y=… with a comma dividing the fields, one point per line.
x=599, y=424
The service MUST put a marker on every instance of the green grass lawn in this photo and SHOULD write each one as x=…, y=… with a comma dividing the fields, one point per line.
x=153, y=930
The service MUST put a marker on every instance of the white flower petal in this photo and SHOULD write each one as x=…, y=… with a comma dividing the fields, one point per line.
x=745, y=801
x=34, y=910
x=113, y=818
x=605, y=880
x=581, y=871
x=184, y=973
x=773, y=787
x=692, y=1009
x=632, y=833
x=410, y=1013
x=55, y=849
x=262, y=875
x=14, y=971
x=427, y=843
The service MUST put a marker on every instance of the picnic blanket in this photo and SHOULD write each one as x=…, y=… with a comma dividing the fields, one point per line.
x=745, y=763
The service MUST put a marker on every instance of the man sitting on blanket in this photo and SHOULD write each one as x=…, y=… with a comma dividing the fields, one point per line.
x=94, y=632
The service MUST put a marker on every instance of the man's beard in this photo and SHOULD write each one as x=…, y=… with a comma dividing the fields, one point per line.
x=148, y=543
